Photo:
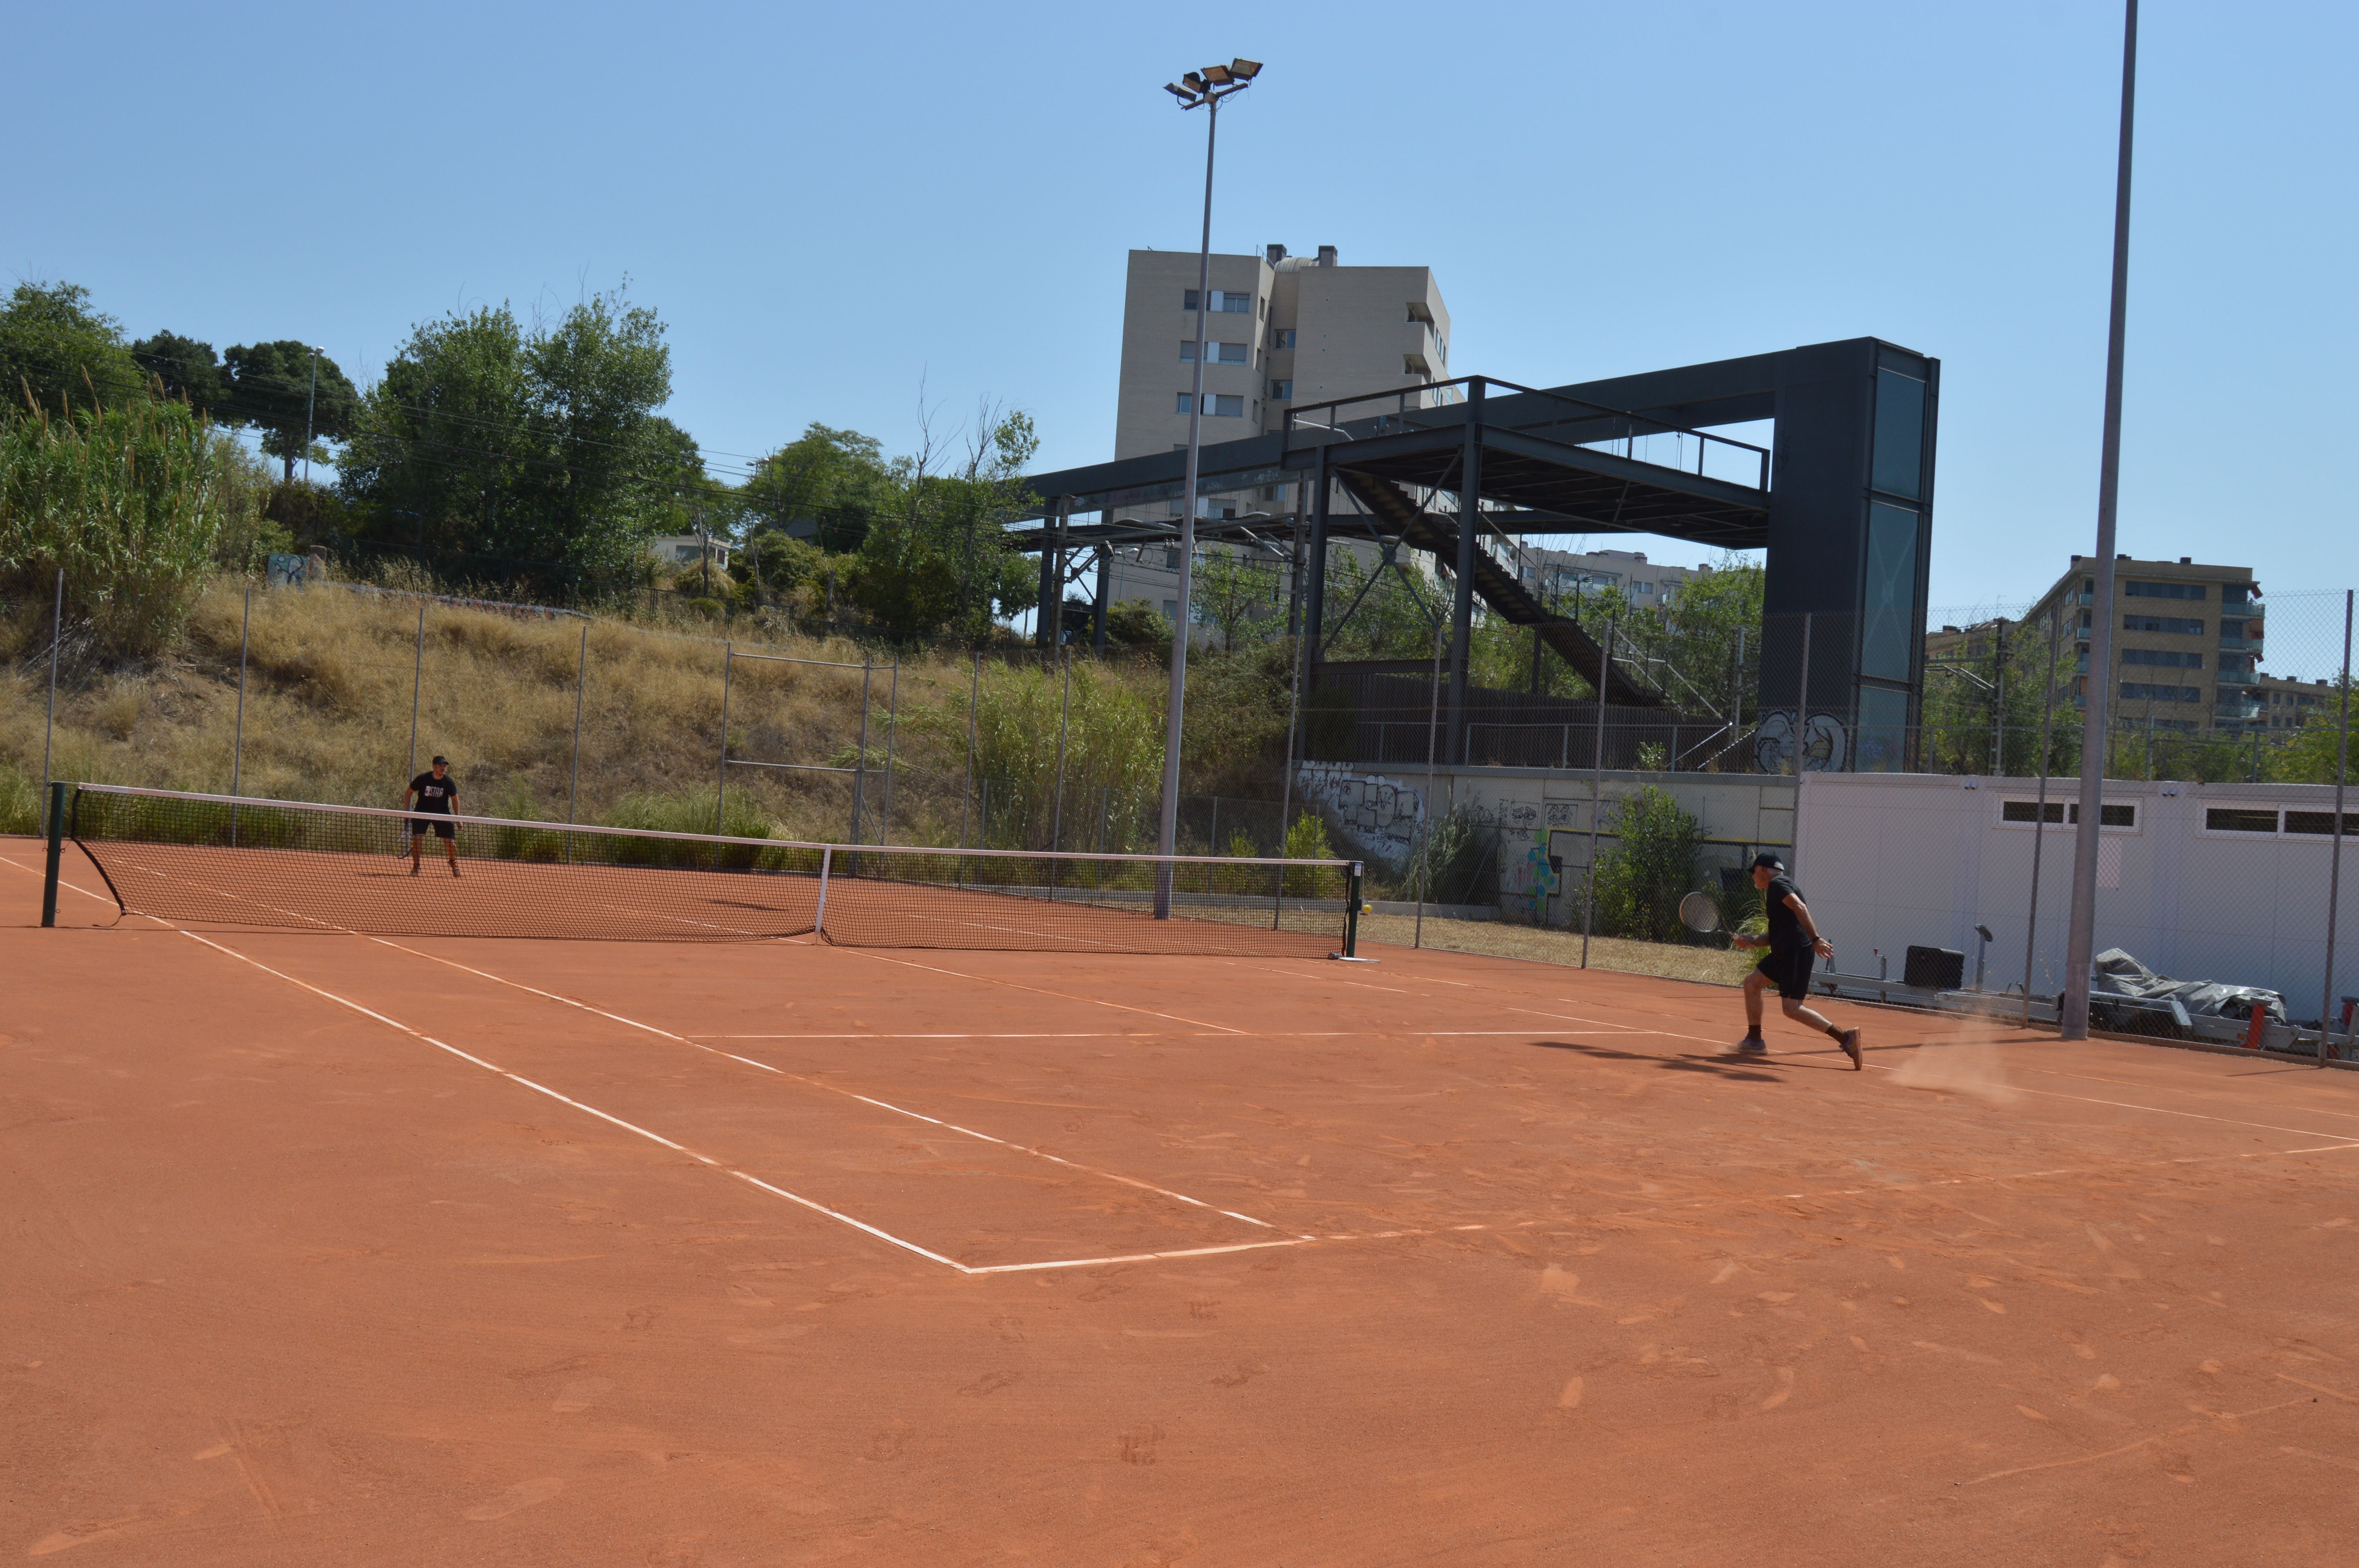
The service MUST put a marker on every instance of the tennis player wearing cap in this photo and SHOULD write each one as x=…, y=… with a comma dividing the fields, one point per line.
x=1795, y=947
x=437, y=793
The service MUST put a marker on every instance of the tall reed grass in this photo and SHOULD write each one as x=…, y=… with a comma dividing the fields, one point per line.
x=131, y=501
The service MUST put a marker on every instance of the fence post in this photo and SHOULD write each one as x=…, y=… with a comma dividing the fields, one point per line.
x=721, y=787
x=967, y=793
x=1432, y=729
x=1064, y=715
x=237, y=739
x=416, y=677
x=2039, y=817
x=2334, y=862
x=1802, y=702
x=1597, y=795
x=860, y=762
x=48, y=731
x=573, y=786
x=892, y=734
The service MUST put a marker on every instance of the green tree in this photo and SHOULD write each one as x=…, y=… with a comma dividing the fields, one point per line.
x=271, y=388
x=832, y=482
x=1239, y=597
x=57, y=352
x=187, y=370
x=527, y=457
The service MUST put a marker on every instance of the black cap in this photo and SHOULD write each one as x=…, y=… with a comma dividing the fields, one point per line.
x=441, y=761
x=1769, y=860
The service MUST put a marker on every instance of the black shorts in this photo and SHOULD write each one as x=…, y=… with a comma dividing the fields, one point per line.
x=1791, y=971
x=421, y=826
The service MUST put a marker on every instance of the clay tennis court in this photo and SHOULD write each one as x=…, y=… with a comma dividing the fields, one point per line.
x=327, y=1249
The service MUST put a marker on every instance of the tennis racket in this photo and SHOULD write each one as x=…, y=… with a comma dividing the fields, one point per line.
x=1701, y=914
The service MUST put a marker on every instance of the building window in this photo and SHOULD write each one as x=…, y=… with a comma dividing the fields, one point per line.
x=2240, y=819
x=1183, y=403
x=1898, y=460
x=1233, y=303
x=1224, y=406
x=2167, y=659
x=1170, y=558
x=1233, y=353
x=1279, y=391
x=2141, y=691
x=2163, y=590
x=1171, y=610
x=2172, y=624
x=2321, y=823
x=1191, y=300
x=1281, y=337
x=2026, y=811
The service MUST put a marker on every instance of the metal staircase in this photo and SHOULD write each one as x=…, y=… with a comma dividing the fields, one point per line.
x=1499, y=582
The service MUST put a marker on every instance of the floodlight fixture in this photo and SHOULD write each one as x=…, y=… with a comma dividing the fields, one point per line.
x=1198, y=90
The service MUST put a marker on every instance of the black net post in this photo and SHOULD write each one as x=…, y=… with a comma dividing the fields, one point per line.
x=56, y=852
x=1352, y=910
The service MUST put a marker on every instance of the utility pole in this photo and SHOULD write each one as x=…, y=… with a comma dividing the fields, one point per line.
x=310, y=402
x=2072, y=1010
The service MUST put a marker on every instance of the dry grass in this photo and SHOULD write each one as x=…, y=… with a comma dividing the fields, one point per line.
x=328, y=713
x=1546, y=945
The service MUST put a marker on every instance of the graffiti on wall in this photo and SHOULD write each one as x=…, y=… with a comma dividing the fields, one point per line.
x=1378, y=818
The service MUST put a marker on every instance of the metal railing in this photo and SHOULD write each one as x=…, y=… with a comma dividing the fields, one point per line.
x=1411, y=410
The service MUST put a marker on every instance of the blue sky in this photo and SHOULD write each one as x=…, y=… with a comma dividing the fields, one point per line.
x=831, y=206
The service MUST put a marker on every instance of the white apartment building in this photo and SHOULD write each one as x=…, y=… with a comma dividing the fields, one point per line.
x=1643, y=584
x=1280, y=332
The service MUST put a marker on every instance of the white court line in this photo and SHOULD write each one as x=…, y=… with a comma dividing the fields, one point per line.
x=577, y=1105
x=822, y=1083
x=1039, y=991
x=656, y=1137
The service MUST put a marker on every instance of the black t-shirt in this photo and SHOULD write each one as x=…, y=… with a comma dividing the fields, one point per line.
x=1785, y=925
x=433, y=794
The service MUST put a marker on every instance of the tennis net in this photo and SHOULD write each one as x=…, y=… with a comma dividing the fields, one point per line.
x=224, y=859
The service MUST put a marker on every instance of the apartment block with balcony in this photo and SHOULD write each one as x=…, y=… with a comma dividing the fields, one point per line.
x=2187, y=648
x=1280, y=331
x=1568, y=574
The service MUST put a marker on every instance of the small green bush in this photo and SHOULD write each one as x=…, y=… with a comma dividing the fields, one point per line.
x=1307, y=840
x=1649, y=867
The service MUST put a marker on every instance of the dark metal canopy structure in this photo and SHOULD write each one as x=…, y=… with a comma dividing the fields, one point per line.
x=1842, y=507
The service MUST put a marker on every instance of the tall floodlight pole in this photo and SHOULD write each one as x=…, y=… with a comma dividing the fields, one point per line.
x=311, y=401
x=1199, y=89
x=2072, y=1010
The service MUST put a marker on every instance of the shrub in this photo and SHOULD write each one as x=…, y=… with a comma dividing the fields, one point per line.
x=1649, y=867
x=1457, y=861
x=1307, y=840
x=129, y=501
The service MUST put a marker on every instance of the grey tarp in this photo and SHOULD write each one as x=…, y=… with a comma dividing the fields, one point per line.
x=2115, y=970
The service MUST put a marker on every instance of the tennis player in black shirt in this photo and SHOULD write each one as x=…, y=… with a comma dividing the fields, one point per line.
x=437, y=793
x=1795, y=948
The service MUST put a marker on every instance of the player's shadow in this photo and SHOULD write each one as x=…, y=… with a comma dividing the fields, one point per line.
x=1717, y=1068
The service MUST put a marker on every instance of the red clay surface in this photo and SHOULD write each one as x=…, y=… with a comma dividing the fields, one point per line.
x=1528, y=1272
